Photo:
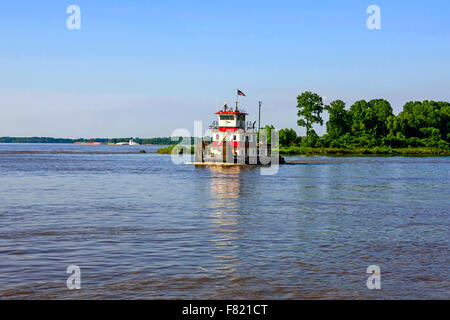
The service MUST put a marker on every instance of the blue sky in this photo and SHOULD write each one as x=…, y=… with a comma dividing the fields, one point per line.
x=145, y=68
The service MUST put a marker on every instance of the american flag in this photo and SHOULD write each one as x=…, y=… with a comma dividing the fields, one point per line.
x=240, y=93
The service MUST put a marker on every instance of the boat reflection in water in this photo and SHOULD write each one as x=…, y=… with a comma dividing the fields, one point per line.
x=227, y=187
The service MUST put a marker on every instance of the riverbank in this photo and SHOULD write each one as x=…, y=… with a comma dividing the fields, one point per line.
x=168, y=150
x=294, y=150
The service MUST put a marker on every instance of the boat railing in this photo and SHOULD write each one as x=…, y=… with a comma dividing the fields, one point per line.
x=214, y=125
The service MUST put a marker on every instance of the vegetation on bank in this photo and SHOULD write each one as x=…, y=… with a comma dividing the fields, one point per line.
x=369, y=127
x=43, y=140
x=295, y=150
x=169, y=149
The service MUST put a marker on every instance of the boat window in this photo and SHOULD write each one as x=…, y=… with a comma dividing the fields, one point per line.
x=226, y=117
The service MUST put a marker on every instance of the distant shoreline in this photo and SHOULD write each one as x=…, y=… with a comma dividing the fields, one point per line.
x=377, y=151
x=284, y=150
x=141, y=141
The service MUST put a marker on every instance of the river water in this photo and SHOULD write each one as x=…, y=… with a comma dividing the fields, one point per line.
x=141, y=227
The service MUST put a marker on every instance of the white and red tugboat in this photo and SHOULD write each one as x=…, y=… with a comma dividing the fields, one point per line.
x=233, y=141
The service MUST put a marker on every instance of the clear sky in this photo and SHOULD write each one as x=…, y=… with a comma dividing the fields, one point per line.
x=145, y=68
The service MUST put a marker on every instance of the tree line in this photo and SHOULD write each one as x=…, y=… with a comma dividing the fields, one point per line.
x=369, y=124
x=158, y=141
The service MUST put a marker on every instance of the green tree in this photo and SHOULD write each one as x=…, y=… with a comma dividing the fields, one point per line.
x=362, y=119
x=339, y=119
x=382, y=110
x=287, y=137
x=310, y=107
x=266, y=134
x=417, y=116
x=313, y=140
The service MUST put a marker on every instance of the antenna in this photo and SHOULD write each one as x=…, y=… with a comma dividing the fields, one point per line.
x=259, y=116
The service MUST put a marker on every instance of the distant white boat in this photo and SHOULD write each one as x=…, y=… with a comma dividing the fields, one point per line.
x=133, y=143
x=129, y=143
